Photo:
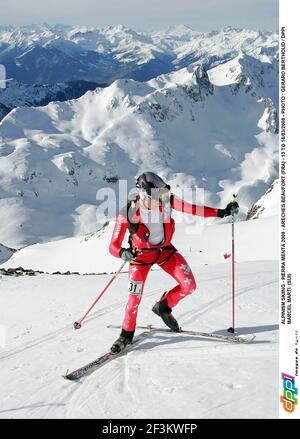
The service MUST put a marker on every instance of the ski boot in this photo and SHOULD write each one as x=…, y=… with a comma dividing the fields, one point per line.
x=121, y=343
x=162, y=309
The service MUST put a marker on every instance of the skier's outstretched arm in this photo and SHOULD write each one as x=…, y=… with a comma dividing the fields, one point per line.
x=193, y=209
x=205, y=211
x=118, y=234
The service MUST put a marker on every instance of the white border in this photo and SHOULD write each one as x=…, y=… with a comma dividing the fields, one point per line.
x=290, y=20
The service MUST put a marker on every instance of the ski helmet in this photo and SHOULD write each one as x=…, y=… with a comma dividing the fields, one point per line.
x=152, y=185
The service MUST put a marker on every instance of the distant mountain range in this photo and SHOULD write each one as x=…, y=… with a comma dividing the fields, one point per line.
x=43, y=54
x=57, y=63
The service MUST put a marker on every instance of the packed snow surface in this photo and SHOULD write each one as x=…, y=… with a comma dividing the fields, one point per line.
x=167, y=375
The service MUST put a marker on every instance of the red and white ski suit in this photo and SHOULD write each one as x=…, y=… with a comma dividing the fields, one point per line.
x=164, y=254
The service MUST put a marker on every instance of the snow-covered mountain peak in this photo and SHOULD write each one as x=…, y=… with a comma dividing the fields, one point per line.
x=258, y=77
x=27, y=36
x=129, y=92
x=194, y=74
x=234, y=40
x=179, y=32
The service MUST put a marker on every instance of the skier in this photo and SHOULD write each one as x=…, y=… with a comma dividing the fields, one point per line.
x=151, y=227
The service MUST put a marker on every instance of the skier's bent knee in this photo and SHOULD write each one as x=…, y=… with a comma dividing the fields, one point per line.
x=189, y=289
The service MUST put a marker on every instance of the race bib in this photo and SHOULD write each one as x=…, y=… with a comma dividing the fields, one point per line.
x=135, y=287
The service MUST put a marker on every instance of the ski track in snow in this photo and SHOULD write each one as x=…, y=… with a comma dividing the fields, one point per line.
x=193, y=315
x=166, y=375
x=65, y=330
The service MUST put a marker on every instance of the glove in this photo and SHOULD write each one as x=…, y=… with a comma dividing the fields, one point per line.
x=230, y=209
x=127, y=254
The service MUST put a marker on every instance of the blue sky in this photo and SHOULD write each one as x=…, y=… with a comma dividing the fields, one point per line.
x=203, y=15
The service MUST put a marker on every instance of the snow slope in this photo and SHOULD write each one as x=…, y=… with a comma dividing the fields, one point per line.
x=55, y=158
x=167, y=375
x=88, y=254
x=49, y=54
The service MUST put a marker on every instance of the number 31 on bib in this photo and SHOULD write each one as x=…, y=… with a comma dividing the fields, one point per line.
x=135, y=287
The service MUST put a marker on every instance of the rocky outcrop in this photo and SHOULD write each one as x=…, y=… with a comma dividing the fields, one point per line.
x=266, y=205
x=202, y=86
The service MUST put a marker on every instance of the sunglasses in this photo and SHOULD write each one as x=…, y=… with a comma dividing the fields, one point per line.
x=162, y=195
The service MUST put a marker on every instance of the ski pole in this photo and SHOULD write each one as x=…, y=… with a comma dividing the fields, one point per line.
x=77, y=325
x=231, y=328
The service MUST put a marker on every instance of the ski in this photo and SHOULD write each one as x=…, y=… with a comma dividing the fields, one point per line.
x=102, y=360
x=225, y=338
x=108, y=356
